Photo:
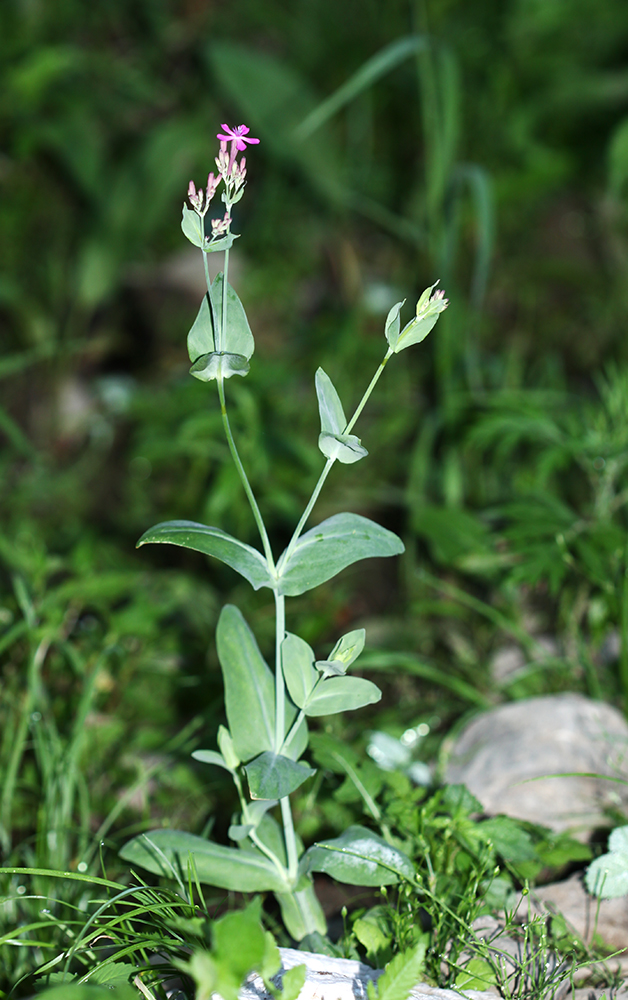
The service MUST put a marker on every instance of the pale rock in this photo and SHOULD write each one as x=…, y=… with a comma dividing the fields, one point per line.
x=343, y=979
x=507, y=756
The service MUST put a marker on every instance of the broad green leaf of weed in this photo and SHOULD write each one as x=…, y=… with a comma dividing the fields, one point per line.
x=112, y=974
x=476, y=975
x=607, y=876
x=373, y=930
x=400, y=976
x=80, y=991
x=293, y=982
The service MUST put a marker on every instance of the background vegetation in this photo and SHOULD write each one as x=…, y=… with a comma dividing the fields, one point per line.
x=485, y=144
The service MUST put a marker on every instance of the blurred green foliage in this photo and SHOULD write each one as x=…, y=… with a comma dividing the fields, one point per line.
x=485, y=144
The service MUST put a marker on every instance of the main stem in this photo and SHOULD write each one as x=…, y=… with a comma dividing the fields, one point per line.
x=219, y=340
x=280, y=732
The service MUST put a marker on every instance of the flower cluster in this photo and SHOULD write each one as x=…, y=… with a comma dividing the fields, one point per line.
x=429, y=304
x=230, y=171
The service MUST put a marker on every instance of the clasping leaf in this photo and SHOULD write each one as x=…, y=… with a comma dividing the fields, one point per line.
x=272, y=776
x=343, y=654
x=332, y=441
x=213, y=354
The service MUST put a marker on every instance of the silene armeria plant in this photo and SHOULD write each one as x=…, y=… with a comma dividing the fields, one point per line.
x=267, y=735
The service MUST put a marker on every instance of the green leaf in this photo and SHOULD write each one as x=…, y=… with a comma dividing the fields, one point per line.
x=112, y=974
x=607, y=876
x=192, y=226
x=427, y=312
x=400, y=976
x=208, y=349
x=244, y=559
x=272, y=776
x=328, y=548
x=81, y=991
x=349, y=647
x=249, y=686
x=227, y=748
x=220, y=364
x=393, y=323
x=211, y=757
x=238, y=338
x=373, y=930
x=239, y=943
x=332, y=414
x=476, y=975
x=341, y=694
x=297, y=659
x=293, y=981
x=344, y=448
x=332, y=441
x=301, y=912
x=271, y=962
x=201, y=340
x=509, y=839
x=165, y=852
x=359, y=857
x=251, y=818
x=215, y=246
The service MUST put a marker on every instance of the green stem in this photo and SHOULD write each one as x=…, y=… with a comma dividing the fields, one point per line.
x=330, y=461
x=291, y=840
x=293, y=730
x=225, y=286
x=280, y=732
x=280, y=685
x=243, y=476
x=371, y=386
x=253, y=835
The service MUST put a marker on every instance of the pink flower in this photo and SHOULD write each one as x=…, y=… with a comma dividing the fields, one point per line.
x=238, y=135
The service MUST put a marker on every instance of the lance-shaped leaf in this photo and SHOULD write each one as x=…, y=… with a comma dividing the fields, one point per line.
x=225, y=243
x=192, y=226
x=227, y=748
x=297, y=659
x=393, y=323
x=211, y=757
x=201, y=340
x=272, y=776
x=332, y=441
x=358, y=857
x=249, y=686
x=331, y=546
x=346, y=650
x=165, y=852
x=227, y=758
x=244, y=559
x=341, y=694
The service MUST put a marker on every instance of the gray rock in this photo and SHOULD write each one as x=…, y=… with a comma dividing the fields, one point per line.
x=506, y=757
